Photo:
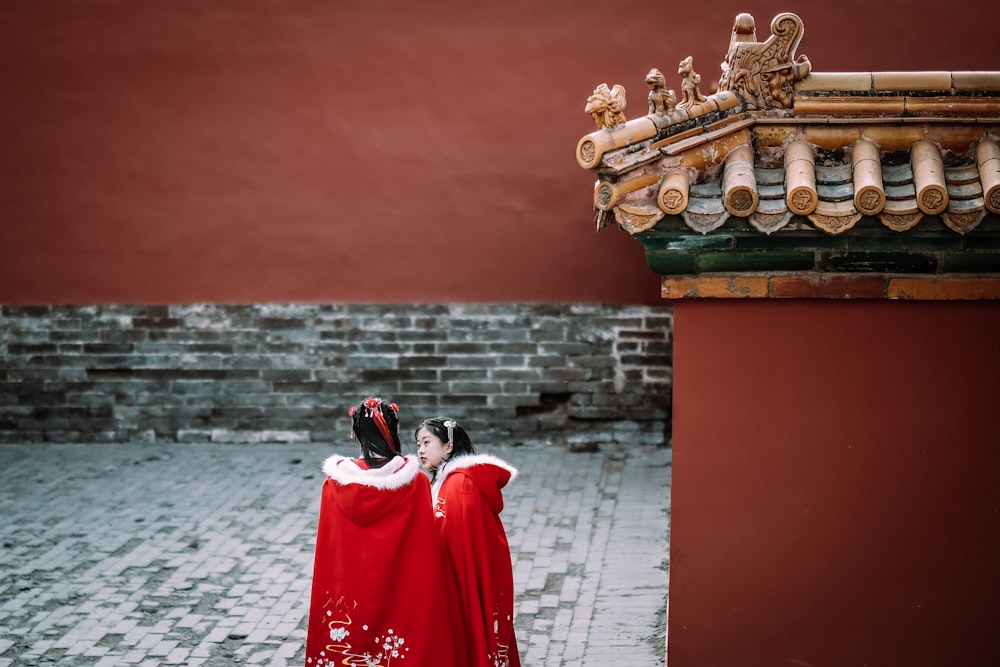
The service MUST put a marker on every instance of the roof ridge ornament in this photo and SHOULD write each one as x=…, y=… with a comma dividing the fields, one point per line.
x=763, y=72
x=690, y=92
x=607, y=106
x=662, y=100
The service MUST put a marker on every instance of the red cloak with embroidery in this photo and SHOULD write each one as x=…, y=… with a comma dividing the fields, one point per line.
x=377, y=561
x=467, y=504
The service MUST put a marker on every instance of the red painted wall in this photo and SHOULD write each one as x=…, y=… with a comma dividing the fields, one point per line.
x=359, y=150
x=835, y=497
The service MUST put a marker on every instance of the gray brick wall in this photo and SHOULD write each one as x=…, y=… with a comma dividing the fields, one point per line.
x=576, y=375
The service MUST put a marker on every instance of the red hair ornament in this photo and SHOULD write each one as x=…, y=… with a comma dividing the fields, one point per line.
x=373, y=409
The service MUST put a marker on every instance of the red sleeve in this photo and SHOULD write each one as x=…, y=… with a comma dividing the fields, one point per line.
x=365, y=600
x=478, y=555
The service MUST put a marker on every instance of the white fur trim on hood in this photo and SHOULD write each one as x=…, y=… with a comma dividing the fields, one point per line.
x=395, y=474
x=469, y=461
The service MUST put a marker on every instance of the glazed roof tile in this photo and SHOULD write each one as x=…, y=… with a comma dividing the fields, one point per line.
x=953, y=117
x=795, y=156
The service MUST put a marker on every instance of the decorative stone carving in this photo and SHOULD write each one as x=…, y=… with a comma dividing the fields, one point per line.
x=800, y=177
x=604, y=196
x=988, y=163
x=690, y=93
x=834, y=224
x=963, y=222
x=672, y=197
x=763, y=73
x=607, y=195
x=739, y=188
x=587, y=152
x=869, y=192
x=607, y=106
x=768, y=223
x=661, y=99
x=704, y=222
x=635, y=219
x=900, y=222
x=869, y=201
x=593, y=148
x=928, y=177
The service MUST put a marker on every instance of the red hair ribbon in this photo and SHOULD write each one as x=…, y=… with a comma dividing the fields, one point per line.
x=375, y=412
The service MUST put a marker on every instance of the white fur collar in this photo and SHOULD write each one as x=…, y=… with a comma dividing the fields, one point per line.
x=395, y=474
x=468, y=461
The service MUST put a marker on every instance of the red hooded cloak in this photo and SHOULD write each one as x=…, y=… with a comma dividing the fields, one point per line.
x=376, y=535
x=467, y=504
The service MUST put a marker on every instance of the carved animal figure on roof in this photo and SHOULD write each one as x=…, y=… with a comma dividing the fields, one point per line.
x=607, y=106
x=661, y=100
x=690, y=92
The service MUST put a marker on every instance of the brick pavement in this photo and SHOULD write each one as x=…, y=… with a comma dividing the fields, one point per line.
x=172, y=554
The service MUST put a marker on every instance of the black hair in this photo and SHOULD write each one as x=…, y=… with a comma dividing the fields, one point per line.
x=374, y=448
x=461, y=443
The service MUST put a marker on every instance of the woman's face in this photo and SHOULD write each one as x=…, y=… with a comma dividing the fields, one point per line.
x=430, y=450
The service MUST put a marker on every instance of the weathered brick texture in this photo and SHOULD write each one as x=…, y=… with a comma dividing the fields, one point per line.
x=577, y=375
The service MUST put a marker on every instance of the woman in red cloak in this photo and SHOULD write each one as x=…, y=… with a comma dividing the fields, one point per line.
x=467, y=496
x=376, y=527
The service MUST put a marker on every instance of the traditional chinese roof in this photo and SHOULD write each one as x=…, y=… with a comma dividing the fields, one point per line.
x=786, y=173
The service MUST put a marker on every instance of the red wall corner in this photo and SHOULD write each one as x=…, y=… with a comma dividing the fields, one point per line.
x=835, y=498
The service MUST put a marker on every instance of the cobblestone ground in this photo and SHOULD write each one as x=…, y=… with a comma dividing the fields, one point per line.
x=167, y=554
